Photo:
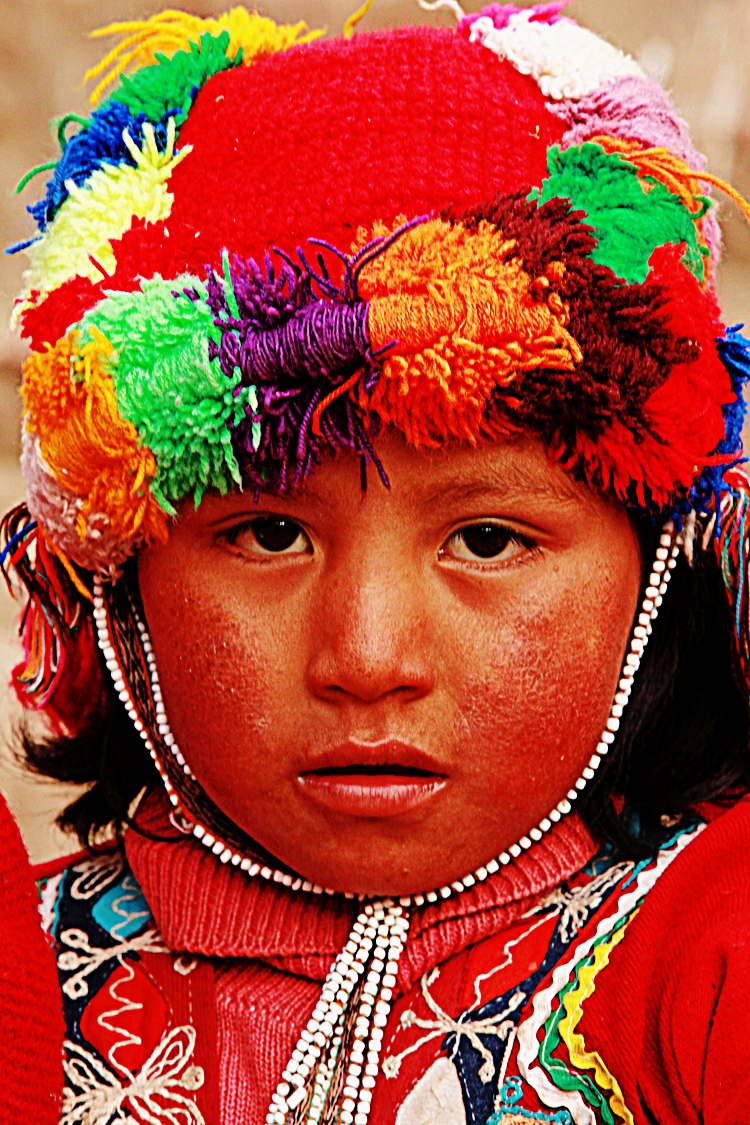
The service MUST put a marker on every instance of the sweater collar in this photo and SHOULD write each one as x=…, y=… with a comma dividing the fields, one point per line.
x=203, y=906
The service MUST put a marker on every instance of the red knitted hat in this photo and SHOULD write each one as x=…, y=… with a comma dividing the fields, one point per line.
x=262, y=248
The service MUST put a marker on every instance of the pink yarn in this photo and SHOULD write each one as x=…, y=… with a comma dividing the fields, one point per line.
x=501, y=14
x=635, y=109
x=632, y=108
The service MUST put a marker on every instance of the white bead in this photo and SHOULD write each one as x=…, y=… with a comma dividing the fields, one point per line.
x=617, y=711
x=481, y=874
x=514, y=850
x=445, y=892
x=595, y=762
x=431, y=896
x=525, y=842
x=613, y=725
x=588, y=774
x=555, y=816
x=545, y=825
x=564, y=807
x=535, y=834
x=581, y=783
x=608, y=737
x=659, y=567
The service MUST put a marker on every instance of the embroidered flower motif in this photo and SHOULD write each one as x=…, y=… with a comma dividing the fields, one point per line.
x=95, y=1096
x=443, y=1024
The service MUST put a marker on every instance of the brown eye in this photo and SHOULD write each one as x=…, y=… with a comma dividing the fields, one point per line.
x=484, y=542
x=271, y=535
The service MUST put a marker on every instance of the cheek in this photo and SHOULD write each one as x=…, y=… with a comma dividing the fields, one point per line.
x=538, y=683
x=228, y=679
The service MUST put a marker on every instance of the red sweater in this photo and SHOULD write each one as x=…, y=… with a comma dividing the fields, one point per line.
x=662, y=1017
x=31, y=1022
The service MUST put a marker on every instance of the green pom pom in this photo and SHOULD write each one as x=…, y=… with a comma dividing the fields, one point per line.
x=171, y=83
x=629, y=222
x=181, y=403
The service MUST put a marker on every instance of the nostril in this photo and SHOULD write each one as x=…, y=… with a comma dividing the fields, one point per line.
x=339, y=680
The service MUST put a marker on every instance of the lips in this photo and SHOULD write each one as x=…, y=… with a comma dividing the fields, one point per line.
x=373, y=779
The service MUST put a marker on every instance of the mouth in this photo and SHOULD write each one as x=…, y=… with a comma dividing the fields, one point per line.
x=373, y=780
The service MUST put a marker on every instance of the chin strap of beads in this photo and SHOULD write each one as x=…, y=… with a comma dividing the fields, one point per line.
x=331, y=1074
x=163, y=742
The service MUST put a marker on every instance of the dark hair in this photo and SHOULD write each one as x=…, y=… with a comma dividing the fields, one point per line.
x=684, y=738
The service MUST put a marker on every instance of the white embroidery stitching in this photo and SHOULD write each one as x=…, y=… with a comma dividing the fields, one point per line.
x=89, y=959
x=498, y=1025
x=102, y=1097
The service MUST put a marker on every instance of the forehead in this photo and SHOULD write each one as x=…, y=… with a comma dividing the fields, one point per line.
x=509, y=474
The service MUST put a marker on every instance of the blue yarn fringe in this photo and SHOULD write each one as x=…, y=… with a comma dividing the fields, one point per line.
x=705, y=495
x=98, y=142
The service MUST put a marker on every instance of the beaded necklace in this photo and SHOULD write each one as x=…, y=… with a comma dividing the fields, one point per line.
x=333, y=1069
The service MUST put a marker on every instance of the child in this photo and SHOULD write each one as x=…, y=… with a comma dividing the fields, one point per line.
x=386, y=564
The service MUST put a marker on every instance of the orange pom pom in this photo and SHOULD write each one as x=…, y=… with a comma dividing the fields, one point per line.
x=92, y=451
x=466, y=319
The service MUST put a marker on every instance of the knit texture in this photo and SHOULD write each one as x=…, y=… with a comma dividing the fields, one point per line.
x=231, y=915
x=31, y=1024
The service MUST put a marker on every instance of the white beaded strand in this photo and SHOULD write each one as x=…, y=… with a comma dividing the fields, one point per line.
x=375, y=944
x=661, y=572
x=379, y=932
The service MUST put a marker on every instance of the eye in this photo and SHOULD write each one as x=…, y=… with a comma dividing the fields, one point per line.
x=485, y=542
x=271, y=535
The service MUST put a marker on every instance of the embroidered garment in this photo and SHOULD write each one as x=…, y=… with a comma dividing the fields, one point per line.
x=549, y=993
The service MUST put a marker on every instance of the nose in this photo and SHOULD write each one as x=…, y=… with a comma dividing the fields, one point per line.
x=372, y=636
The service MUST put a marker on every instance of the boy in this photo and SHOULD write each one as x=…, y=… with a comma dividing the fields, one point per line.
x=381, y=441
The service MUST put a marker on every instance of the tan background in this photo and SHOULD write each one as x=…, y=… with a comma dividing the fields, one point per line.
x=699, y=49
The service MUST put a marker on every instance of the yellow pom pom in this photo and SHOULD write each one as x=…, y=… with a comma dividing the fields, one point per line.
x=171, y=31
x=79, y=242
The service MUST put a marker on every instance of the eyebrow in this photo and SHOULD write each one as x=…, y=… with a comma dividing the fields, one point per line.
x=513, y=485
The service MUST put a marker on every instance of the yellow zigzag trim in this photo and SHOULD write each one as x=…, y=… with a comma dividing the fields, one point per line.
x=100, y=211
x=573, y=1001
x=171, y=31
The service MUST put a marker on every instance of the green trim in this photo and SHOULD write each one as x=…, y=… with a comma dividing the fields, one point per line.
x=170, y=84
x=629, y=222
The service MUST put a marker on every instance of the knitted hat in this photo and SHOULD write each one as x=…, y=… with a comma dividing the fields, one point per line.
x=263, y=247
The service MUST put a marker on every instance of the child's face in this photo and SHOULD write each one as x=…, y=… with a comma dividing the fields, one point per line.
x=386, y=690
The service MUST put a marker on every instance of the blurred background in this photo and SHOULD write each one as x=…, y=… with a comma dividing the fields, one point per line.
x=699, y=49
